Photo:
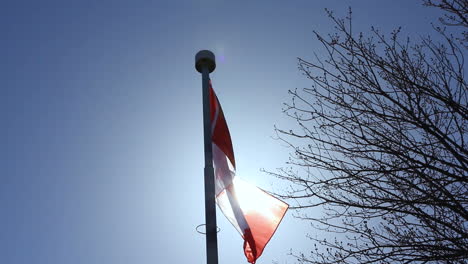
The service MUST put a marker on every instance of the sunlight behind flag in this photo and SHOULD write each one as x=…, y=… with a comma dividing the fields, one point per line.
x=253, y=212
x=253, y=200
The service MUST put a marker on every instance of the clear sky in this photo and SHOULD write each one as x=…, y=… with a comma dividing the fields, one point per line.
x=101, y=120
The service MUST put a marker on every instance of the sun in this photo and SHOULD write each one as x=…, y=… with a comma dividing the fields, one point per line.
x=252, y=199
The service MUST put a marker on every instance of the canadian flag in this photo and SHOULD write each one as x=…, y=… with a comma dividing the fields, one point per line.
x=253, y=212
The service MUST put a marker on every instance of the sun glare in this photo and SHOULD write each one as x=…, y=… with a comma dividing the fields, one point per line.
x=253, y=200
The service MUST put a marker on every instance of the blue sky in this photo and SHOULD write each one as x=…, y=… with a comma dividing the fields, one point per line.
x=102, y=145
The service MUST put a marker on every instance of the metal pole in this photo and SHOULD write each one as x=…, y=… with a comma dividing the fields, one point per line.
x=205, y=64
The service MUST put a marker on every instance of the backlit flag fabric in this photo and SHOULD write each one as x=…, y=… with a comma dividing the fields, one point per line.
x=253, y=212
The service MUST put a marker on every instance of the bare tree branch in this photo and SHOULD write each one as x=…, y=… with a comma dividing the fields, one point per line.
x=381, y=146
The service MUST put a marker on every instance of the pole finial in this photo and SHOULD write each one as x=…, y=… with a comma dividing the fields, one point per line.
x=205, y=58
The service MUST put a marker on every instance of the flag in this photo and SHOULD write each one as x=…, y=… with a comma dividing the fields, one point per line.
x=253, y=212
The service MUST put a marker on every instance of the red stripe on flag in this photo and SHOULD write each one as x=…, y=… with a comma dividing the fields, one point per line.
x=220, y=134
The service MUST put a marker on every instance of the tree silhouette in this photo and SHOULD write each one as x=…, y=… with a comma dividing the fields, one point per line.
x=381, y=146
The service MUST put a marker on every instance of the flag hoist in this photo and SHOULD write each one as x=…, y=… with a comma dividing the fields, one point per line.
x=253, y=212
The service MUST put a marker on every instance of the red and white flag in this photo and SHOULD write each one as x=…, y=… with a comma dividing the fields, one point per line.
x=253, y=212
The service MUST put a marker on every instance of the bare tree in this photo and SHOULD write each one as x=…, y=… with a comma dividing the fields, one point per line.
x=457, y=11
x=381, y=147
x=456, y=14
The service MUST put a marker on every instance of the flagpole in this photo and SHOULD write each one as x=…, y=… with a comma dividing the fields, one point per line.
x=205, y=64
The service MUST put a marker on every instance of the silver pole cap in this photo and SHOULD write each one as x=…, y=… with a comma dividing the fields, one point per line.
x=205, y=58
